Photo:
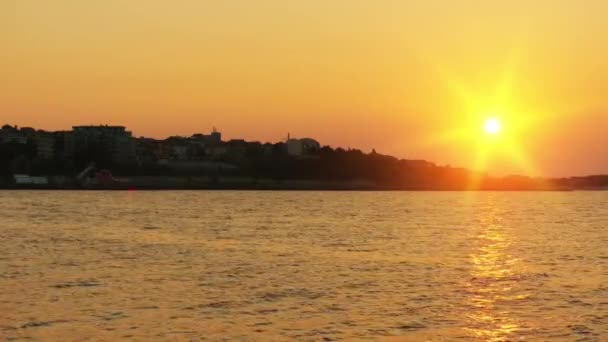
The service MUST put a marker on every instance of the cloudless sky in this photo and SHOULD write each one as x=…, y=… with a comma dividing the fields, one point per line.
x=400, y=76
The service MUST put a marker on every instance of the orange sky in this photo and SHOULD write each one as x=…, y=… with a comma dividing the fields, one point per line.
x=404, y=77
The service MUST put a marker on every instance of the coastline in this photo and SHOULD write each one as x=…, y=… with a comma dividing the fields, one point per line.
x=281, y=188
x=152, y=183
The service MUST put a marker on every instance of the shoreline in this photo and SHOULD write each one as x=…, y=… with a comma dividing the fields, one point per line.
x=235, y=188
x=246, y=183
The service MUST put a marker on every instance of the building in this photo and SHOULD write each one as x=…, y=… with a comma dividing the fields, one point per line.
x=180, y=152
x=115, y=141
x=215, y=152
x=45, y=144
x=177, y=148
x=299, y=147
x=63, y=144
x=101, y=130
x=27, y=131
x=21, y=179
x=148, y=150
x=12, y=135
x=124, y=150
x=213, y=139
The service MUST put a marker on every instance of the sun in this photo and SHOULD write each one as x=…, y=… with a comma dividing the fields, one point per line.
x=492, y=126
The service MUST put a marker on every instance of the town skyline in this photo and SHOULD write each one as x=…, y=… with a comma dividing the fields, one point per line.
x=288, y=136
x=272, y=136
x=377, y=75
x=90, y=156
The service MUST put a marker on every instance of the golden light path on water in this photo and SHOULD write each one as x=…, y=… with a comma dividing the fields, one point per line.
x=492, y=279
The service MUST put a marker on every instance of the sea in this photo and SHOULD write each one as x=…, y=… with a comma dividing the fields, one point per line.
x=303, y=266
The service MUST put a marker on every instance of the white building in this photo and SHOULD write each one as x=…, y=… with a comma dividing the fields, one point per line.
x=298, y=147
x=30, y=180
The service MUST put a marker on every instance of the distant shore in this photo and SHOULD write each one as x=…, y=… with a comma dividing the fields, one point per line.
x=111, y=158
x=274, y=186
x=254, y=183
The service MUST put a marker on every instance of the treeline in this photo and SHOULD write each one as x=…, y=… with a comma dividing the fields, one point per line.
x=349, y=165
x=325, y=163
x=258, y=162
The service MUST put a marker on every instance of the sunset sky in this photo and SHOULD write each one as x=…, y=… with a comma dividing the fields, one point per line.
x=415, y=79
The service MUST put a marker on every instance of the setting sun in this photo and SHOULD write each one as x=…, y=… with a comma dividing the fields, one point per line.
x=492, y=126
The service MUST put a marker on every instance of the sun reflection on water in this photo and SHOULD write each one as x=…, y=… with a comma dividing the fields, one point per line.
x=493, y=280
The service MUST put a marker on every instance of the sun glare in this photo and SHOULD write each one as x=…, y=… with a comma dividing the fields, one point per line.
x=492, y=126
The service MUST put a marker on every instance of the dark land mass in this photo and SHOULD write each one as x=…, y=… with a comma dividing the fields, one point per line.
x=108, y=157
